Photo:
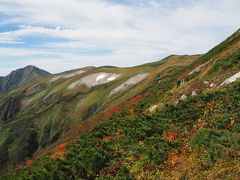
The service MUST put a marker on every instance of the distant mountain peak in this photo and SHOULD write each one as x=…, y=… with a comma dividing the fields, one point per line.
x=21, y=76
x=31, y=67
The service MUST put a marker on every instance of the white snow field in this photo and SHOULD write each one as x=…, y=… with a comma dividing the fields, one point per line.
x=129, y=83
x=66, y=76
x=231, y=79
x=95, y=79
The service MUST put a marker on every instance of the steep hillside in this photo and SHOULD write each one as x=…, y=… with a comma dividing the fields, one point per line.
x=173, y=119
x=20, y=77
x=198, y=139
x=44, y=112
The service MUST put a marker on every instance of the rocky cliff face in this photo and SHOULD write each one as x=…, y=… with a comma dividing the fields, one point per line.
x=20, y=77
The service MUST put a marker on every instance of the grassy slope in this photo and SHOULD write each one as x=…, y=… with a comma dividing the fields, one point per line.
x=44, y=121
x=198, y=137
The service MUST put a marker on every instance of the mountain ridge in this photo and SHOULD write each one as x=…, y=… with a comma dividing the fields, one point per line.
x=180, y=121
x=20, y=77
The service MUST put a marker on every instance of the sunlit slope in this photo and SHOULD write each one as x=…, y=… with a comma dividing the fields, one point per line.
x=36, y=116
x=184, y=124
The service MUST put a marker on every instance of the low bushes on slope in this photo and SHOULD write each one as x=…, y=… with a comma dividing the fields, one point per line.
x=203, y=129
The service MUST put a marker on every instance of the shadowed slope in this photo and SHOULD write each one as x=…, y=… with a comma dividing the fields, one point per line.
x=20, y=77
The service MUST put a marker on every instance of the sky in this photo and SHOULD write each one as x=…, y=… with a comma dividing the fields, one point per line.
x=59, y=35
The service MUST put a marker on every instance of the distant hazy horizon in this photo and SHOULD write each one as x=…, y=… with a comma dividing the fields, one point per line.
x=60, y=35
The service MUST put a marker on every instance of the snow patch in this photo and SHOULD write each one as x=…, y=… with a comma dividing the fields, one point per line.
x=74, y=84
x=101, y=76
x=206, y=82
x=129, y=83
x=95, y=79
x=112, y=78
x=194, y=93
x=183, y=97
x=66, y=76
x=231, y=79
x=153, y=108
x=197, y=69
x=212, y=85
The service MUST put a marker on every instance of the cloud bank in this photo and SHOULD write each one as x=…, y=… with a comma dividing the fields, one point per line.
x=58, y=35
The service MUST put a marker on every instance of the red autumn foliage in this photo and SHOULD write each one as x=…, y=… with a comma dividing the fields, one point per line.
x=59, y=151
x=135, y=100
x=60, y=146
x=184, y=75
x=171, y=136
x=29, y=162
x=85, y=127
x=126, y=105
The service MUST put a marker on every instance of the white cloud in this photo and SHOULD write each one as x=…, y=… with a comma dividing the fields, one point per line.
x=146, y=31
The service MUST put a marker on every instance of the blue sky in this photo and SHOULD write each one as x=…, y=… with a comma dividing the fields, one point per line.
x=59, y=35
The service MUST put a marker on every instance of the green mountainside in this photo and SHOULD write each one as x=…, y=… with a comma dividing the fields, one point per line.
x=173, y=119
x=36, y=116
